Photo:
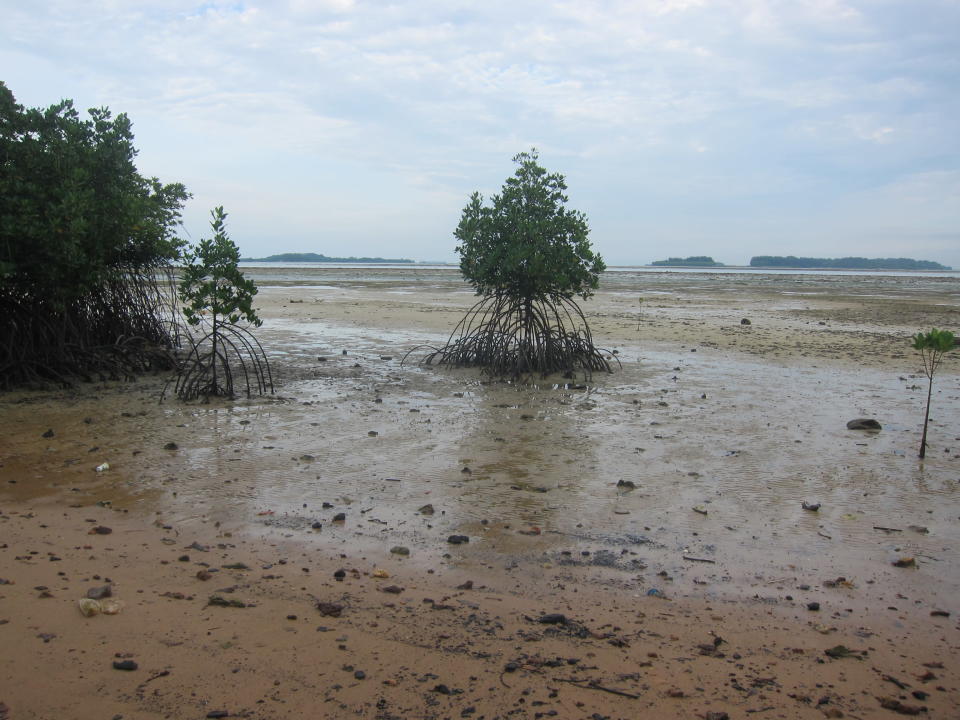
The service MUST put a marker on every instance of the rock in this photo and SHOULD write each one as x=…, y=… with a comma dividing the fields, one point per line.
x=328, y=609
x=317, y=525
x=170, y=446
x=48, y=433
x=863, y=424
x=124, y=665
x=458, y=539
x=220, y=601
x=339, y=575
x=340, y=517
x=100, y=530
x=393, y=589
x=100, y=592
x=400, y=550
x=218, y=714
x=552, y=619
x=716, y=715
x=426, y=509
x=812, y=507
x=372, y=433
x=360, y=675
x=203, y=575
x=899, y=707
x=813, y=606
x=626, y=484
x=745, y=321
x=468, y=585
x=905, y=562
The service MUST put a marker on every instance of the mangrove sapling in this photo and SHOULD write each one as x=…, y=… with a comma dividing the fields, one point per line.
x=527, y=256
x=932, y=346
x=218, y=296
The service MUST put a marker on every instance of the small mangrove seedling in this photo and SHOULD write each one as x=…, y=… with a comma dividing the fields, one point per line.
x=932, y=346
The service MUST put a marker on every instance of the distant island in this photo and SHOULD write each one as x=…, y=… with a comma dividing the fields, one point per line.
x=692, y=261
x=847, y=263
x=314, y=257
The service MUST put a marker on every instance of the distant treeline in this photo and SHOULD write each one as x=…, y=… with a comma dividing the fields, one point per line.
x=847, y=263
x=314, y=257
x=692, y=261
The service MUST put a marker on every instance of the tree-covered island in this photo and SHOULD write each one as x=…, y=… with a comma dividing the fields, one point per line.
x=846, y=263
x=314, y=257
x=692, y=261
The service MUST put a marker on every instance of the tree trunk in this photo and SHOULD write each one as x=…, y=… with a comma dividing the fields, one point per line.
x=926, y=419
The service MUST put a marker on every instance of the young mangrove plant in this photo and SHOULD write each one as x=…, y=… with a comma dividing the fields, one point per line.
x=528, y=257
x=217, y=296
x=932, y=346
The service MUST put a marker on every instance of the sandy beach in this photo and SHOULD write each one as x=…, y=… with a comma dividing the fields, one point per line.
x=705, y=590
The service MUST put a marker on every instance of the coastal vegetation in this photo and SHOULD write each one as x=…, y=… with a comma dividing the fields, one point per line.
x=845, y=263
x=527, y=256
x=692, y=261
x=218, y=296
x=932, y=346
x=314, y=257
x=86, y=247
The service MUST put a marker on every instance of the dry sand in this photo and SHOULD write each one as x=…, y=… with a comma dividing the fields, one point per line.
x=668, y=612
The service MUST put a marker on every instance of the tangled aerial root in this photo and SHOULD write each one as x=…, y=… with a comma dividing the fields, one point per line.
x=513, y=337
x=222, y=359
x=126, y=325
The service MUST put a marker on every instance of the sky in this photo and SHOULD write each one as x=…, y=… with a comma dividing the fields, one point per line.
x=728, y=128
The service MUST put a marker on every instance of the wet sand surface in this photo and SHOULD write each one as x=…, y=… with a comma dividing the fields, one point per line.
x=723, y=428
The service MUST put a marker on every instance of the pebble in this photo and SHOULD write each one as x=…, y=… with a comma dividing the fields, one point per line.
x=124, y=665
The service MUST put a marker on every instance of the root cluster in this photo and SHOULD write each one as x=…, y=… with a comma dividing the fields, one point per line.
x=513, y=337
x=220, y=362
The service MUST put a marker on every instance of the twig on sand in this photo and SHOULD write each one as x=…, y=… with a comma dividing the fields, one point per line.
x=696, y=559
x=594, y=685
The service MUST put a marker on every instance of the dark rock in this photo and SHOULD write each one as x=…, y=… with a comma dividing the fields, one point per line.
x=813, y=606
x=400, y=550
x=328, y=609
x=48, y=433
x=317, y=525
x=442, y=689
x=218, y=714
x=426, y=509
x=716, y=715
x=510, y=667
x=863, y=424
x=468, y=585
x=360, y=675
x=745, y=321
x=100, y=592
x=203, y=575
x=124, y=665
x=553, y=619
x=393, y=589
x=339, y=575
x=458, y=539
x=170, y=446
x=100, y=530
x=627, y=484
x=340, y=517
x=184, y=558
x=327, y=506
x=812, y=507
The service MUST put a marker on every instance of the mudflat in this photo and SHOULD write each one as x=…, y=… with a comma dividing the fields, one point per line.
x=628, y=545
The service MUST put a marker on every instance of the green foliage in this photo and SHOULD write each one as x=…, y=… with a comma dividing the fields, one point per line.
x=212, y=283
x=73, y=208
x=932, y=346
x=845, y=263
x=526, y=244
x=85, y=245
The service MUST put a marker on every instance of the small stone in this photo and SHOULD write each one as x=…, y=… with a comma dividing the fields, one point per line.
x=339, y=575
x=745, y=321
x=905, y=562
x=812, y=507
x=372, y=433
x=340, y=517
x=553, y=619
x=627, y=484
x=458, y=539
x=863, y=424
x=48, y=433
x=124, y=665
x=400, y=550
x=317, y=525
x=100, y=592
x=203, y=575
x=468, y=585
x=813, y=606
x=100, y=530
x=360, y=675
x=426, y=509
x=328, y=609
x=393, y=589
x=170, y=446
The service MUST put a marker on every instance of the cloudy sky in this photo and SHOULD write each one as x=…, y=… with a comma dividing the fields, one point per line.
x=728, y=128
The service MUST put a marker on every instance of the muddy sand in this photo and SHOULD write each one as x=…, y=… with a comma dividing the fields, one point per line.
x=704, y=591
